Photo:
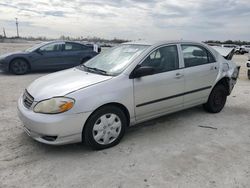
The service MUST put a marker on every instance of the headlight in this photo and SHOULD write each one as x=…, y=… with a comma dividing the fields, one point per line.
x=54, y=105
x=1, y=59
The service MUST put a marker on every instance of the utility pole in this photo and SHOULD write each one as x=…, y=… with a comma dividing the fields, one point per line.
x=4, y=34
x=17, y=32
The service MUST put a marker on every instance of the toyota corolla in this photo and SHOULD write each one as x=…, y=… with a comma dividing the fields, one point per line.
x=94, y=103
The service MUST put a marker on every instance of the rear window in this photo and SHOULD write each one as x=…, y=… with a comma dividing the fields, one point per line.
x=73, y=47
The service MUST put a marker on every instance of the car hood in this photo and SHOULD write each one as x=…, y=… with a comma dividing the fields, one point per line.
x=63, y=82
x=13, y=54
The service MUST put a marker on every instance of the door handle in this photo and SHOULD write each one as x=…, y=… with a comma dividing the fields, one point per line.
x=213, y=67
x=178, y=75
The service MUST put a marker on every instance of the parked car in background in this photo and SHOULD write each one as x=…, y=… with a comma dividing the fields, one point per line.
x=54, y=55
x=246, y=48
x=238, y=49
x=248, y=66
x=241, y=50
x=123, y=86
x=213, y=44
x=230, y=45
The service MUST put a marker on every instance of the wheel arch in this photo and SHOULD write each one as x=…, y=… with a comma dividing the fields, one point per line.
x=226, y=82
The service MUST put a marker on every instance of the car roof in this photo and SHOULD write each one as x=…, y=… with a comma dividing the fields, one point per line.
x=158, y=43
x=63, y=41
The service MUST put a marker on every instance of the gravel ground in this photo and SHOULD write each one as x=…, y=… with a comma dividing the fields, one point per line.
x=172, y=151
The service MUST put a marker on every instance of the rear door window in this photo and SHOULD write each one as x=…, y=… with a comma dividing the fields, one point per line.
x=195, y=55
x=73, y=47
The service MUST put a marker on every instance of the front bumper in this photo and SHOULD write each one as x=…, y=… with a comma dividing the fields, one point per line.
x=4, y=65
x=65, y=128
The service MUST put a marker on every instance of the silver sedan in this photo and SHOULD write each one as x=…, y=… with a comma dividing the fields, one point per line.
x=126, y=85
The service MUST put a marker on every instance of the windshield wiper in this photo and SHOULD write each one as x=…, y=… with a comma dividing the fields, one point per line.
x=92, y=69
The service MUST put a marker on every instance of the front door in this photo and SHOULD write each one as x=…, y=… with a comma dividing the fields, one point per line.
x=159, y=93
x=48, y=57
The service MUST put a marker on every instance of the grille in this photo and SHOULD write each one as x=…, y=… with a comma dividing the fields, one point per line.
x=27, y=99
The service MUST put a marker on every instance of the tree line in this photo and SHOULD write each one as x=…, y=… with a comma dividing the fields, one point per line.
x=237, y=42
x=89, y=39
x=114, y=40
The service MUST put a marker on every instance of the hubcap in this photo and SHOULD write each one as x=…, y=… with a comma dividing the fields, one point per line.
x=107, y=129
x=20, y=67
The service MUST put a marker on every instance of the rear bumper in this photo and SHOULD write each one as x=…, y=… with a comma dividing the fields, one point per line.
x=57, y=129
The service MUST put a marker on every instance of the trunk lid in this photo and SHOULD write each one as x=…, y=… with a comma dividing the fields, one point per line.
x=227, y=53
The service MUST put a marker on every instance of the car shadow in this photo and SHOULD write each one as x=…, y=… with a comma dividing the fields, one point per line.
x=165, y=122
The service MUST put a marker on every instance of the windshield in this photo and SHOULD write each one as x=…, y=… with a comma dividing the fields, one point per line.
x=115, y=60
x=31, y=49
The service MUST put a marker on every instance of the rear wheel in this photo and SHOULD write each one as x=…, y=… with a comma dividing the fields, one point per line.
x=105, y=128
x=19, y=66
x=217, y=99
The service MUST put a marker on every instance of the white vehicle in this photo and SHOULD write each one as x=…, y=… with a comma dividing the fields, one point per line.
x=237, y=49
x=246, y=48
x=230, y=46
x=214, y=44
x=248, y=66
x=123, y=86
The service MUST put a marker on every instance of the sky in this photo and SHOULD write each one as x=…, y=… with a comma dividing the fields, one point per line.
x=129, y=19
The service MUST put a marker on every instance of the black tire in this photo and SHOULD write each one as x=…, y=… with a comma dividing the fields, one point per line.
x=19, y=66
x=217, y=99
x=248, y=73
x=89, y=132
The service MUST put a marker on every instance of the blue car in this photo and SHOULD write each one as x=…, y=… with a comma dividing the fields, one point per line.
x=54, y=55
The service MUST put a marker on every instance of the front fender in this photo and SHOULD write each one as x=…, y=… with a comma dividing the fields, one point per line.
x=90, y=98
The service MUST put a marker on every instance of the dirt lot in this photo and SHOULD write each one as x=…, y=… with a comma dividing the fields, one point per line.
x=172, y=151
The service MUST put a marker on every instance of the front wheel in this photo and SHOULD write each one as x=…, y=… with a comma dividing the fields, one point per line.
x=217, y=99
x=19, y=66
x=105, y=128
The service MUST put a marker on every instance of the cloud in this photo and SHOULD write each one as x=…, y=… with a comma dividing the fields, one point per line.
x=130, y=19
x=54, y=13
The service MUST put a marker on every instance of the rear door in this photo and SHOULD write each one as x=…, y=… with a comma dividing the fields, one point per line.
x=75, y=54
x=200, y=72
x=159, y=93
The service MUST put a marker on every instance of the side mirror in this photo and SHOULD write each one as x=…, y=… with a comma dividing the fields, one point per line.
x=39, y=52
x=142, y=71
